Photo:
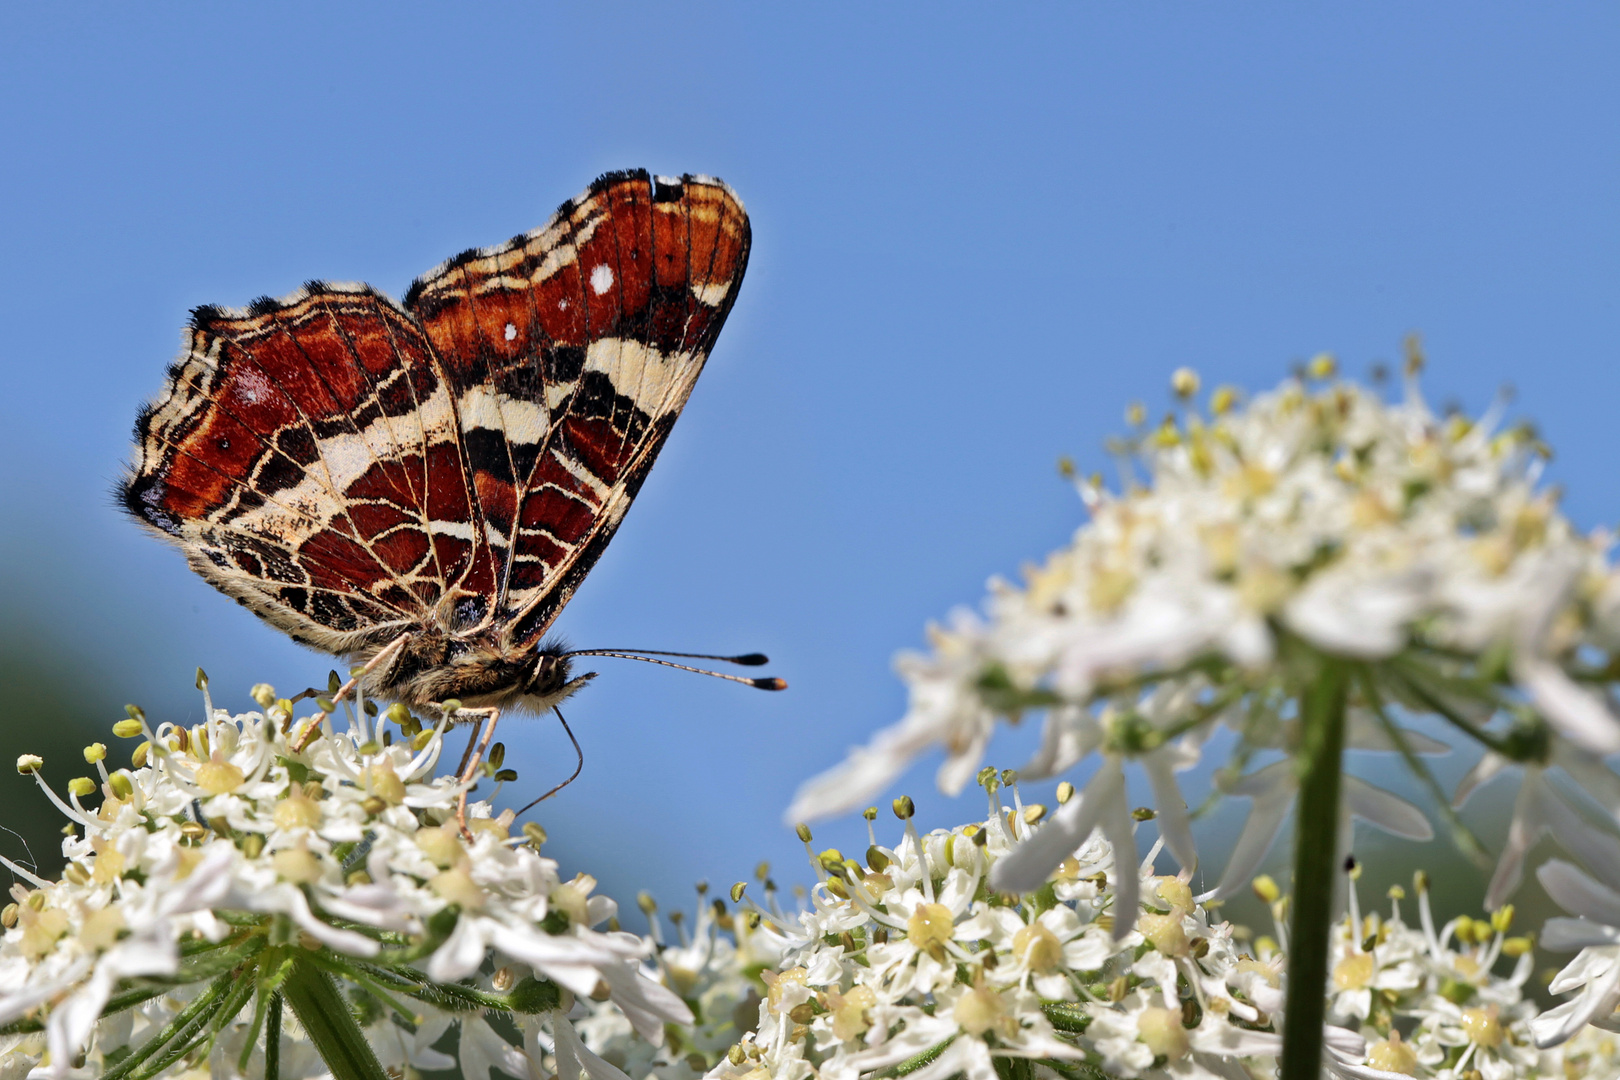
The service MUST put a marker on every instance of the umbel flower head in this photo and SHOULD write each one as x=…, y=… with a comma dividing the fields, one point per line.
x=907, y=962
x=228, y=873
x=1252, y=547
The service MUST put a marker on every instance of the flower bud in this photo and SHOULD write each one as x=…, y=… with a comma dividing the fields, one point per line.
x=296, y=811
x=297, y=865
x=1165, y=933
x=930, y=926
x=1393, y=1055
x=1038, y=948
x=441, y=846
x=122, y=786
x=456, y=886
x=385, y=782
x=1161, y=1031
x=101, y=928
x=218, y=776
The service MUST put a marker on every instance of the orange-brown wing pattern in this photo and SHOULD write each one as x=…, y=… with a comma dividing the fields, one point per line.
x=302, y=455
x=571, y=351
x=350, y=468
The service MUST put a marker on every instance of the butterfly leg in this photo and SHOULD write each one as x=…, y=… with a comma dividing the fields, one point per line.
x=384, y=654
x=473, y=760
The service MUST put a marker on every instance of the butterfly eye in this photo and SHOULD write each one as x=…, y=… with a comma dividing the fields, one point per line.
x=550, y=673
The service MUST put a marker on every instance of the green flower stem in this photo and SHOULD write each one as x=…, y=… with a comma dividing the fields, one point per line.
x=1415, y=680
x=357, y=974
x=529, y=996
x=183, y=1027
x=1315, y=848
x=1461, y=834
x=331, y=1026
x=1013, y=1068
x=912, y=1064
x=272, y=1039
x=1078, y=1070
x=1068, y=1018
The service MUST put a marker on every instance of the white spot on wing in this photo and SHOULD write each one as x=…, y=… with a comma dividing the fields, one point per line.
x=601, y=279
x=511, y=331
x=711, y=294
x=251, y=385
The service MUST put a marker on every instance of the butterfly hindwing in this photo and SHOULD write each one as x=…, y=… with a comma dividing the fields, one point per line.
x=300, y=456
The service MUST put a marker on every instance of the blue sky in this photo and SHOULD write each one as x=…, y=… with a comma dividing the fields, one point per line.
x=977, y=236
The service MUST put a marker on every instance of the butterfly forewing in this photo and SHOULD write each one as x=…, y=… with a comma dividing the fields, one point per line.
x=352, y=469
x=575, y=348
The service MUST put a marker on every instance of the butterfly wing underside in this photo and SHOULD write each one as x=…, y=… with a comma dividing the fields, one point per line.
x=351, y=469
x=574, y=349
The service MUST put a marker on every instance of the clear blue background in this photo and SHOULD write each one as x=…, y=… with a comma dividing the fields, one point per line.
x=978, y=235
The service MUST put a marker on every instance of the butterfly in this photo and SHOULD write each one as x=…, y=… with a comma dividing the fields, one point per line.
x=420, y=486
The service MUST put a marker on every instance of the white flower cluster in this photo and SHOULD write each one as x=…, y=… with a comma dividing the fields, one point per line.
x=715, y=967
x=911, y=964
x=1441, y=988
x=1317, y=522
x=226, y=856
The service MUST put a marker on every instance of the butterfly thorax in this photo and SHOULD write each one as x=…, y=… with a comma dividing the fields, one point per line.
x=479, y=669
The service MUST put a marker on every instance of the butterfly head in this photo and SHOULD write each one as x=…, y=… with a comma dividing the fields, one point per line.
x=550, y=679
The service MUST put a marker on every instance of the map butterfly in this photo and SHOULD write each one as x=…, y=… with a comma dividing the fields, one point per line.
x=421, y=486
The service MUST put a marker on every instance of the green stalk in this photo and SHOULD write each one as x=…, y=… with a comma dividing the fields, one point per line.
x=185, y=1025
x=331, y=1026
x=1315, y=849
x=272, y=1038
x=1461, y=834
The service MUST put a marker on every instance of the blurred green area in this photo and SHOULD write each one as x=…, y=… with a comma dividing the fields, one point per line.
x=55, y=704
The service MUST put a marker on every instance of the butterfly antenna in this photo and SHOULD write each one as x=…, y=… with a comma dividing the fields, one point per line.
x=753, y=659
x=650, y=656
x=580, y=754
